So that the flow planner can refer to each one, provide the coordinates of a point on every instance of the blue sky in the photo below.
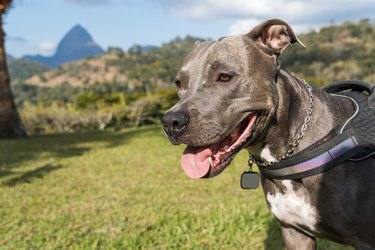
(36, 26)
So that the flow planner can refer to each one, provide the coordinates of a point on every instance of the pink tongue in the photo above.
(195, 161)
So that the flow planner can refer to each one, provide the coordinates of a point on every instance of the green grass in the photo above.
(124, 190)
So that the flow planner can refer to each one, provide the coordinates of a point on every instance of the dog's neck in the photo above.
(293, 105)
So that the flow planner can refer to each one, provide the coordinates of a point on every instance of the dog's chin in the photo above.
(210, 160)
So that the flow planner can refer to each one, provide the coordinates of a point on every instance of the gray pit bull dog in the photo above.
(233, 96)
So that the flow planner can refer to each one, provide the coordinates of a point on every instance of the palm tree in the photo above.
(10, 123)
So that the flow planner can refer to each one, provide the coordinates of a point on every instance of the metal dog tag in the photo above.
(249, 180)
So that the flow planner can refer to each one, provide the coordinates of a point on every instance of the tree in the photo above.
(10, 122)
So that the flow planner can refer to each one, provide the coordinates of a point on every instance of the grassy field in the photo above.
(124, 190)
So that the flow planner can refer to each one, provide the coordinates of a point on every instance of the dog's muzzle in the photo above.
(174, 123)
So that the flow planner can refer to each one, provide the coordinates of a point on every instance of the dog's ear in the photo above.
(275, 35)
(197, 43)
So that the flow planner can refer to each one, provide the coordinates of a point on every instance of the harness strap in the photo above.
(354, 141)
(316, 160)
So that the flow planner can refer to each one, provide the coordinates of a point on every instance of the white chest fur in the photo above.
(293, 209)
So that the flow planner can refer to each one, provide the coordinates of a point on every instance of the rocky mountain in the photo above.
(75, 45)
(137, 69)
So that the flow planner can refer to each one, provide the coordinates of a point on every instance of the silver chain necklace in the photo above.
(298, 137)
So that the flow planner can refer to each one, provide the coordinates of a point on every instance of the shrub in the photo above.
(91, 100)
(97, 112)
(63, 119)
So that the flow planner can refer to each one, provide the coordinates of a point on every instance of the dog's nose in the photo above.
(175, 122)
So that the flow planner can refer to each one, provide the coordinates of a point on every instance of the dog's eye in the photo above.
(223, 77)
(178, 83)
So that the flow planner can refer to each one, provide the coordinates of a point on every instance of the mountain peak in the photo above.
(78, 27)
(78, 35)
(75, 45)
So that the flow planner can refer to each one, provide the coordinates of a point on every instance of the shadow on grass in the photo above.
(274, 239)
(14, 152)
(29, 176)
(5, 173)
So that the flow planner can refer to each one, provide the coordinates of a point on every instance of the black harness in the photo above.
(353, 141)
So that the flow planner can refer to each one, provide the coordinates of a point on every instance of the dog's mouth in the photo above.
(208, 161)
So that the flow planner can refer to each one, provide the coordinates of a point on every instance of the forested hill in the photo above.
(336, 52)
(137, 70)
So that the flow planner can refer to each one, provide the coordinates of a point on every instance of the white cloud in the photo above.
(243, 26)
(47, 48)
(16, 39)
(291, 9)
(302, 15)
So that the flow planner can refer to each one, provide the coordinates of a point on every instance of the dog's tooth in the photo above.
(211, 163)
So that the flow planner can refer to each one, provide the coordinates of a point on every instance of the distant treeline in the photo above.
(146, 71)
(336, 52)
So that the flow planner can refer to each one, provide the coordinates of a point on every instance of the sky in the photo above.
(37, 26)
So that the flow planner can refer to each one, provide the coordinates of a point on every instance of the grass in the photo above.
(124, 190)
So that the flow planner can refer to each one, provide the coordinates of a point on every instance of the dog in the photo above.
(233, 95)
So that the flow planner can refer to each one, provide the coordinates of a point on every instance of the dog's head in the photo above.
(226, 90)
